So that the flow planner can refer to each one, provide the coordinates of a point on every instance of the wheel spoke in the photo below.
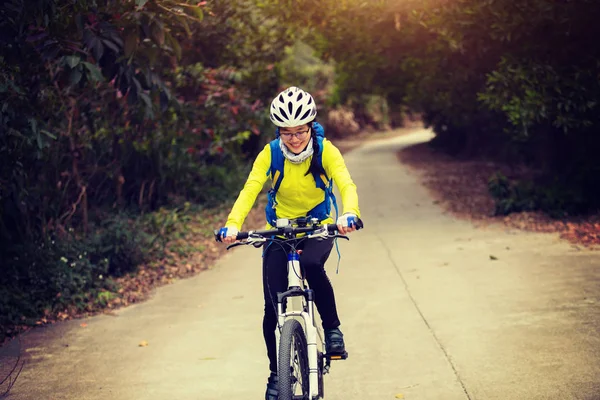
(296, 371)
(297, 375)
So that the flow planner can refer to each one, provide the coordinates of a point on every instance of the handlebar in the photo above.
(289, 231)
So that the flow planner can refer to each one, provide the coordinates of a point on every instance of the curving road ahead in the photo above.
(427, 315)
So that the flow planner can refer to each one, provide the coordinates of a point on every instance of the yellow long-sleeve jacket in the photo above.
(297, 193)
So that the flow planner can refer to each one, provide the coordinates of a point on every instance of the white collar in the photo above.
(297, 158)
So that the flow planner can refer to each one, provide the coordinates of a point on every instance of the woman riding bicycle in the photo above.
(293, 111)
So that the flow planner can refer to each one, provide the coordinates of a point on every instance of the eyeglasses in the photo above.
(298, 135)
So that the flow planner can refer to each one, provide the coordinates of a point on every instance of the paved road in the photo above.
(426, 313)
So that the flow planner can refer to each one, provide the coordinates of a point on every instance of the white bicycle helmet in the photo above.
(293, 107)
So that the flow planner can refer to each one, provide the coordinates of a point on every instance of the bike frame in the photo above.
(313, 337)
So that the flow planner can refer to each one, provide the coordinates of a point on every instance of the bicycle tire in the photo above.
(293, 360)
(320, 376)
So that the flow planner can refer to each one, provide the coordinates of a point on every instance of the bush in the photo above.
(510, 197)
(341, 123)
(120, 244)
(41, 278)
(555, 198)
(63, 272)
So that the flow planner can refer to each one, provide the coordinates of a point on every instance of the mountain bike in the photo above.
(302, 362)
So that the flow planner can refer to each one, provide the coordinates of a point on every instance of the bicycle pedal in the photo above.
(335, 356)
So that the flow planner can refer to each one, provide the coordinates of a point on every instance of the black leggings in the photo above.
(312, 260)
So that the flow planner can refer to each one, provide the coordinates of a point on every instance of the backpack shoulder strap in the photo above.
(322, 180)
(319, 130)
(276, 170)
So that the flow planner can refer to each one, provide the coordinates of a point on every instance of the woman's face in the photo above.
(295, 138)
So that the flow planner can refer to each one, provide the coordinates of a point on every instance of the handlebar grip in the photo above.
(332, 229)
(359, 224)
(217, 236)
(240, 235)
(357, 221)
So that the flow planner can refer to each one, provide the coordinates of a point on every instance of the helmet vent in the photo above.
(306, 114)
(282, 111)
(276, 117)
(298, 111)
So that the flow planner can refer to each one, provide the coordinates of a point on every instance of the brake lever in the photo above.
(236, 244)
(339, 236)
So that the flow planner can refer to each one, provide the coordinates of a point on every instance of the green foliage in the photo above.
(240, 34)
(110, 109)
(491, 77)
(71, 274)
(119, 242)
(302, 68)
(43, 277)
(555, 198)
(530, 95)
(83, 131)
(165, 224)
(510, 197)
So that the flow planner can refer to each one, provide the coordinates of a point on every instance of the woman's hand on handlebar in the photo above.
(228, 234)
(347, 223)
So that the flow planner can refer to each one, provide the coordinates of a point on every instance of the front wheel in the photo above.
(293, 363)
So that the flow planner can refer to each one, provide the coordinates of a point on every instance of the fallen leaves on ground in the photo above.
(460, 187)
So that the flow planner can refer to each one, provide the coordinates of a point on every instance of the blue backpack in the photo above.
(322, 210)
